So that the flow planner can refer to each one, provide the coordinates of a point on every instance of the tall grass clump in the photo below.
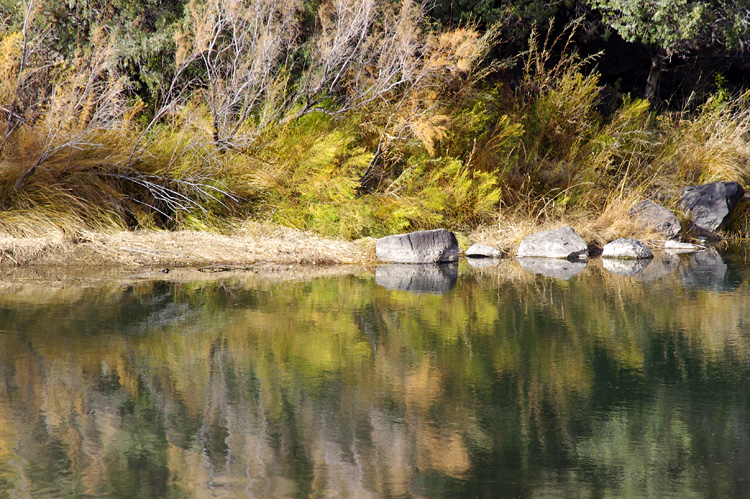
(713, 144)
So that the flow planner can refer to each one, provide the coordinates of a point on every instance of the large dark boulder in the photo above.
(424, 246)
(656, 217)
(558, 243)
(710, 205)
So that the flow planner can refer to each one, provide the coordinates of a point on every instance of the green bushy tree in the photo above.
(670, 27)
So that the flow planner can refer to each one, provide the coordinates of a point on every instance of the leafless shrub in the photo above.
(87, 99)
(245, 48)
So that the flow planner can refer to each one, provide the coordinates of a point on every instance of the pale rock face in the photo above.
(424, 246)
(629, 249)
(558, 243)
(483, 251)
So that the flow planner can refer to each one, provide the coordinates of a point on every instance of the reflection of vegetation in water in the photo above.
(512, 383)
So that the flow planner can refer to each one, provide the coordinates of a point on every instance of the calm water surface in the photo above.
(516, 380)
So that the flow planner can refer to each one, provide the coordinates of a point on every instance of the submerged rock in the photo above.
(657, 217)
(553, 267)
(424, 246)
(483, 251)
(558, 243)
(625, 268)
(626, 249)
(711, 205)
(420, 278)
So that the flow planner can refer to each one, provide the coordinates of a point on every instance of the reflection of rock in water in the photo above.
(480, 263)
(418, 278)
(552, 267)
(662, 265)
(707, 270)
(625, 268)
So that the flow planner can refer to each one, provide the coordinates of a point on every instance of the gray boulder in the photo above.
(550, 267)
(424, 246)
(710, 205)
(483, 251)
(628, 249)
(657, 217)
(422, 278)
(558, 243)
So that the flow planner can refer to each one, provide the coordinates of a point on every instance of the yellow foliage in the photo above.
(10, 52)
(431, 130)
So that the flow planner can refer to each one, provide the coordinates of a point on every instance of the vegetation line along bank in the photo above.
(362, 118)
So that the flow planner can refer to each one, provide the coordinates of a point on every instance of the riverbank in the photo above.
(252, 243)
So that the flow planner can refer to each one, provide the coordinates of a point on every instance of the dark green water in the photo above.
(508, 384)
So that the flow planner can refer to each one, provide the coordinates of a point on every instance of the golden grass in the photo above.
(614, 222)
(250, 244)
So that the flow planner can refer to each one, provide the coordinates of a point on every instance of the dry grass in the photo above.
(252, 243)
(614, 222)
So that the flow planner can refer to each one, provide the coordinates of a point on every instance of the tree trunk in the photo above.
(654, 73)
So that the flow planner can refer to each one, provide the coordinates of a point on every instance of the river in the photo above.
(520, 379)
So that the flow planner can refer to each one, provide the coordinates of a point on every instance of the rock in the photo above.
(625, 268)
(483, 251)
(550, 267)
(558, 243)
(657, 217)
(680, 247)
(629, 249)
(424, 246)
(420, 278)
(710, 205)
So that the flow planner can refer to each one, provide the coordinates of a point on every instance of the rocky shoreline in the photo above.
(261, 244)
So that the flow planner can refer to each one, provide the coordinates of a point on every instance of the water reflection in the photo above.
(662, 265)
(625, 268)
(418, 278)
(508, 385)
(707, 270)
(481, 263)
(553, 267)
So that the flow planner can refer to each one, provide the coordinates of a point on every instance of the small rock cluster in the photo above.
(561, 252)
